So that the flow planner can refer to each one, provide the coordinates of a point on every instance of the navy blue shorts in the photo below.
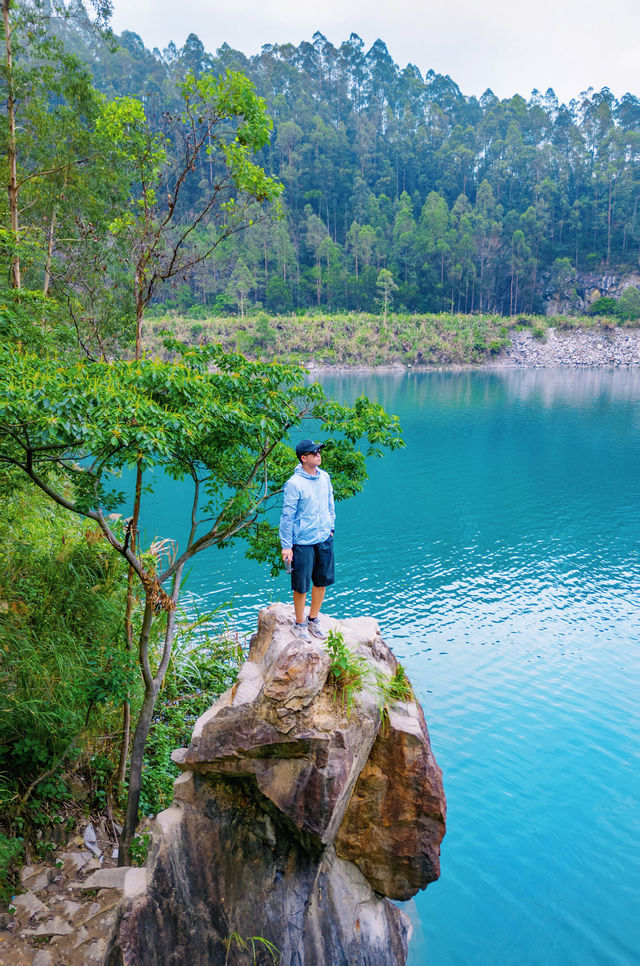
(312, 564)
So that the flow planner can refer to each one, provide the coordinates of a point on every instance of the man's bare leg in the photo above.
(299, 600)
(317, 596)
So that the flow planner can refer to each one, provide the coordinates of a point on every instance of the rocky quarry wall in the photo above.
(584, 290)
(296, 818)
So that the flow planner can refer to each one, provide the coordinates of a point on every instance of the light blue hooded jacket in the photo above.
(308, 512)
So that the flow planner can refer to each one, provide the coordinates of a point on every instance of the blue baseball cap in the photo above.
(307, 446)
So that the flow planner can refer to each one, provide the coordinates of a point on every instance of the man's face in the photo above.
(311, 461)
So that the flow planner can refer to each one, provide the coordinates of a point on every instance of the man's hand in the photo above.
(287, 555)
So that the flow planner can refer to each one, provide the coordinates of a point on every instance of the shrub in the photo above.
(265, 336)
(604, 306)
(198, 312)
(64, 671)
(11, 850)
(399, 687)
(202, 667)
(139, 848)
(347, 670)
(629, 304)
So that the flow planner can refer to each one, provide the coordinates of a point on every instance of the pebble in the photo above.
(36, 881)
(106, 879)
(53, 927)
(30, 905)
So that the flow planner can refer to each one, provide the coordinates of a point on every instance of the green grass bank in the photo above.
(361, 339)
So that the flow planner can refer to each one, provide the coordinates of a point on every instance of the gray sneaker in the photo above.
(301, 632)
(316, 630)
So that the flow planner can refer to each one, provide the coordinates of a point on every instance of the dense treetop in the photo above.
(472, 204)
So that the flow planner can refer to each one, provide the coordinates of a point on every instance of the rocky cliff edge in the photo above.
(299, 813)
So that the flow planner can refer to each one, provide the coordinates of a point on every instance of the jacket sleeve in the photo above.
(289, 507)
(332, 508)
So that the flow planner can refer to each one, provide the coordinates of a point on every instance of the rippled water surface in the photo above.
(499, 553)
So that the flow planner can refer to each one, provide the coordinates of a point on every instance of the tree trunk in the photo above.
(128, 626)
(12, 151)
(266, 265)
(124, 746)
(135, 775)
(152, 685)
(138, 299)
(511, 290)
(534, 280)
(609, 223)
(47, 267)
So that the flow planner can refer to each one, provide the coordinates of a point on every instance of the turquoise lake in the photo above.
(499, 553)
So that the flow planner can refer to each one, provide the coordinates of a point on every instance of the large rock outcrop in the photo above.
(296, 818)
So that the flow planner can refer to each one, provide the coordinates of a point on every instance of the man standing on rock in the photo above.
(306, 535)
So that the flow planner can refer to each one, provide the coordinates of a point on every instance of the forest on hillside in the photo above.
(472, 204)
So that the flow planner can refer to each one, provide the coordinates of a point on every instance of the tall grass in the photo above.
(63, 668)
(64, 672)
(360, 339)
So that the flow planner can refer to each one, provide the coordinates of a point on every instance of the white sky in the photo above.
(511, 46)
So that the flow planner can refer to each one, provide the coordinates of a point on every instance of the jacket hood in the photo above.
(307, 476)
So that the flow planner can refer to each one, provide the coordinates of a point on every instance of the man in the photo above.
(306, 535)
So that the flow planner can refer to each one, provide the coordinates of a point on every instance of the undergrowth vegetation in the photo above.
(350, 673)
(63, 670)
(356, 338)
(64, 674)
(201, 668)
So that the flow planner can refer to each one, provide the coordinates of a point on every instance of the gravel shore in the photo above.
(617, 348)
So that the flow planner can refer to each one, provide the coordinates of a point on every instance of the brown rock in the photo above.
(106, 879)
(183, 787)
(303, 751)
(296, 678)
(293, 815)
(222, 866)
(396, 817)
(36, 878)
(75, 861)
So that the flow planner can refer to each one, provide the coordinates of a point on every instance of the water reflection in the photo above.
(546, 387)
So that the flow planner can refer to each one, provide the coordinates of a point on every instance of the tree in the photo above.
(386, 287)
(564, 278)
(221, 117)
(352, 132)
(316, 235)
(520, 253)
(73, 428)
(242, 281)
(628, 306)
(63, 188)
(404, 230)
